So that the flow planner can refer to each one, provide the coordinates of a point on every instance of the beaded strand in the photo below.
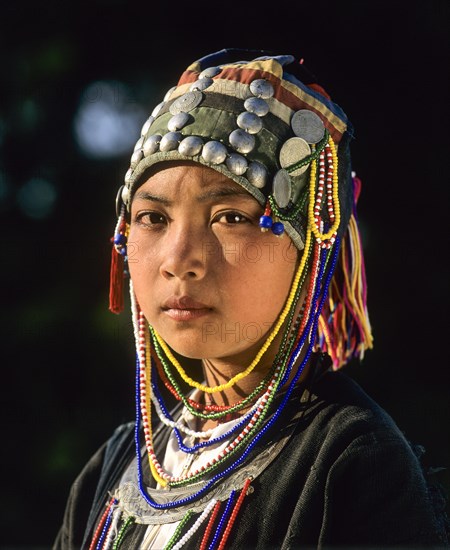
(122, 532)
(178, 530)
(252, 443)
(166, 419)
(236, 463)
(157, 470)
(222, 521)
(194, 476)
(209, 527)
(254, 363)
(116, 517)
(231, 449)
(189, 534)
(300, 277)
(101, 524)
(215, 411)
(218, 411)
(325, 239)
(234, 513)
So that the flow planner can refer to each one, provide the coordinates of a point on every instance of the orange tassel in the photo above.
(116, 281)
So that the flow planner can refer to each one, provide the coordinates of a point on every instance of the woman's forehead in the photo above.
(177, 176)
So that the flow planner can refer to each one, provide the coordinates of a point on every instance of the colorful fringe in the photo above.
(344, 330)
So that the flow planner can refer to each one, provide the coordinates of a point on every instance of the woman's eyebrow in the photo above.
(146, 196)
(222, 192)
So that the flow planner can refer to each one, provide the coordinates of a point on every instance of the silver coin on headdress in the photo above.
(256, 105)
(242, 141)
(257, 174)
(249, 122)
(170, 141)
(294, 150)
(308, 126)
(146, 126)
(237, 164)
(186, 102)
(190, 146)
(261, 88)
(157, 109)
(151, 144)
(210, 72)
(214, 152)
(178, 121)
(201, 84)
(282, 188)
(169, 93)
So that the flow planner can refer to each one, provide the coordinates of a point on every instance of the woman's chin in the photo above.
(192, 348)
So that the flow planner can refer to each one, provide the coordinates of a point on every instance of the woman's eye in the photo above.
(151, 218)
(232, 218)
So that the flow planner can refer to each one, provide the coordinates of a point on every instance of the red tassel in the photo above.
(116, 281)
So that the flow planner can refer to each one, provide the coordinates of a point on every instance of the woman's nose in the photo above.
(183, 255)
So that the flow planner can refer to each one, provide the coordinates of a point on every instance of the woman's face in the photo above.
(205, 276)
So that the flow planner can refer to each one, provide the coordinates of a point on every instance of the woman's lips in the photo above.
(186, 314)
(184, 308)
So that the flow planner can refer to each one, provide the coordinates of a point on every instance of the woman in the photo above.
(237, 226)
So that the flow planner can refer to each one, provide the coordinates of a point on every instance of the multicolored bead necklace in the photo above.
(256, 421)
(214, 411)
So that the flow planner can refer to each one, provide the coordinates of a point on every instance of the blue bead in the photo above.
(119, 238)
(123, 251)
(278, 228)
(265, 222)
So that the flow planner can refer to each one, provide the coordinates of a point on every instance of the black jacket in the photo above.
(345, 477)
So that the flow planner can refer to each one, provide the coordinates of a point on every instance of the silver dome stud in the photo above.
(257, 174)
(169, 93)
(237, 164)
(256, 105)
(125, 194)
(262, 88)
(136, 157)
(201, 84)
(210, 72)
(139, 143)
(214, 152)
(128, 175)
(170, 141)
(249, 122)
(146, 126)
(190, 146)
(242, 141)
(157, 109)
(151, 144)
(178, 121)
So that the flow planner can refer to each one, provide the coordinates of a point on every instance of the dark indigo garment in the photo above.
(347, 478)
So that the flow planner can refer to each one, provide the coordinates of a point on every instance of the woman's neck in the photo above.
(219, 371)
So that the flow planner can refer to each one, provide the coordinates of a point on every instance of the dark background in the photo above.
(68, 364)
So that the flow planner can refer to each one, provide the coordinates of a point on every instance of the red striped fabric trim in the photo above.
(284, 96)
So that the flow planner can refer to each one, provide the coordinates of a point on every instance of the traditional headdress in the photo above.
(267, 125)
